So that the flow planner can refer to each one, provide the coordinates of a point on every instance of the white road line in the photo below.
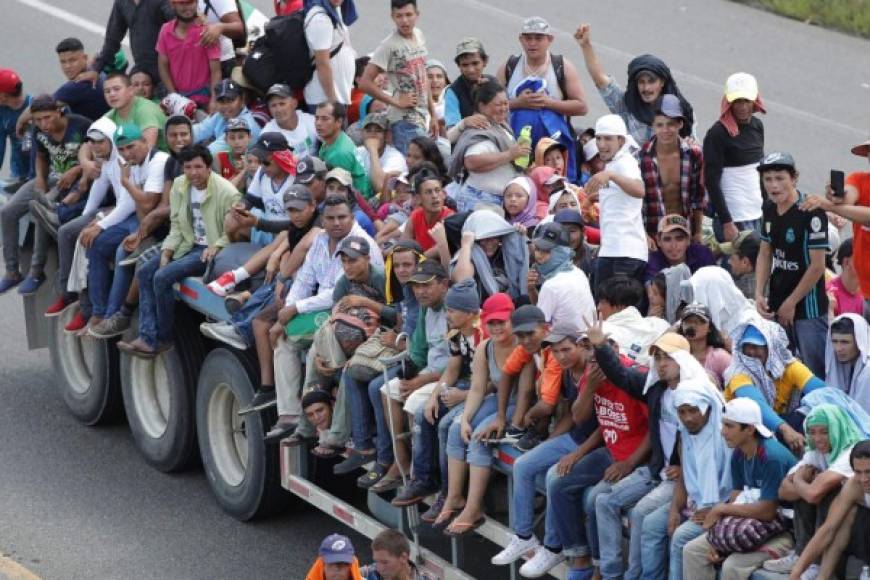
(691, 78)
(69, 17)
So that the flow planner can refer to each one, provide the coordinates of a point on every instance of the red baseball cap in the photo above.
(10, 82)
(497, 307)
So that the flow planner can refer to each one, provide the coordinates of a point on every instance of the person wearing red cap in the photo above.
(13, 101)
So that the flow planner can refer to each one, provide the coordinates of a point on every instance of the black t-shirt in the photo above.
(172, 169)
(63, 155)
(83, 98)
(791, 236)
(461, 345)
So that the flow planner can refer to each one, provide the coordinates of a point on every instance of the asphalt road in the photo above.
(78, 502)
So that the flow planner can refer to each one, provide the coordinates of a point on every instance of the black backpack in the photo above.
(285, 36)
(260, 68)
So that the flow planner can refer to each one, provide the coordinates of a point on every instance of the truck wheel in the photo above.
(243, 473)
(87, 373)
(159, 397)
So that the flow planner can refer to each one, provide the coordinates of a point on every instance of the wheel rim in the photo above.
(150, 390)
(227, 435)
(77, 356)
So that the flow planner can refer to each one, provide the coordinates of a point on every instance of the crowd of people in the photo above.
(664, 324)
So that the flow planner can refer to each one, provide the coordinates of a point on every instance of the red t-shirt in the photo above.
(422, 227)
(624, 420)
(228, 170)
(861, 234)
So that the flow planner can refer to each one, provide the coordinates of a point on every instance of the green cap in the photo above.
(126, 133)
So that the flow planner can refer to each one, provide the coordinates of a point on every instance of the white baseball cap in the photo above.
(747, 412)
(610, 125)
(741, 86)
(590, 149)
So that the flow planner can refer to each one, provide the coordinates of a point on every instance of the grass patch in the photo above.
(850, 16)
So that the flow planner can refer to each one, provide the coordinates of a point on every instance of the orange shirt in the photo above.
(861, 233)
(550, 378)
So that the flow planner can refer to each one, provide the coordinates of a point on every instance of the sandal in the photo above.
(456, 529)
(327, 451)
(387, 483)
(446, 517)
(373, 476)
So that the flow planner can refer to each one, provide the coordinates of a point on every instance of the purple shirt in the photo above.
(697, 256)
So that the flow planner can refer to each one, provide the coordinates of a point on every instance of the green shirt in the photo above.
(145, 114)
(342, 154)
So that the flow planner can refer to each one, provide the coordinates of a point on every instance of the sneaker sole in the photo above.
(129, 261)
(260, 407)
(209, 333)
(107, 335)
(62, 310)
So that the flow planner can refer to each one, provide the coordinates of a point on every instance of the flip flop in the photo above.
(387, 483)
(326, 451)
(373, 476)
(446, 517)
(464, 528)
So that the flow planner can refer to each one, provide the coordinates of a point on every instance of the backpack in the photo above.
(260, 68)
(558, 62)
(237, 42)
(285, 35)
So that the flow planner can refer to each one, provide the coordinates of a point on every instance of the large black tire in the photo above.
(160, 398)
(244, 474)
(87, 373)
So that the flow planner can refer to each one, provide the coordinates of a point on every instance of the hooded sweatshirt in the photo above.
(853, 378)
(110, 172)
(514, 254)
(843, 434)
(714, 287)
(705, 458)
(634, 333)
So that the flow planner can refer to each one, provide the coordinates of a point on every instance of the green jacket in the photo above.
(220, 195)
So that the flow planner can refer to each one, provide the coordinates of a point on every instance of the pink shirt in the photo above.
(715, 363)
(846, 301)
(188, 61)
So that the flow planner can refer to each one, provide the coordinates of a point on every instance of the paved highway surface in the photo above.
(77, 502)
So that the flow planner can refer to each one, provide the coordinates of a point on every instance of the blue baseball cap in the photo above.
(753, 336)
(336, 549)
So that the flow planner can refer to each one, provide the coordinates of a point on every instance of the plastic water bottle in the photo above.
(865, 573)
(27, 141)
(524, 140)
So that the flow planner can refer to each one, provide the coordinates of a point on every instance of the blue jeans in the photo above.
(469, 196)
(480, 453)
(566, 505)
(384, 443)
(244, 318)
(810, 336)
(647, 555)
(655, 541)
(456, 447)
(403, 132)
(103, 286)
(425, 437)
(156, 297)
(529, 468)
(608, 512)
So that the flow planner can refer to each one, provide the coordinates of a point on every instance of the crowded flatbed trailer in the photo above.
(184, 403)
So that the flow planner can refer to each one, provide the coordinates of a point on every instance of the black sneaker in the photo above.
(528, 441)
(414, 492)
(263, 399)
(513, 434)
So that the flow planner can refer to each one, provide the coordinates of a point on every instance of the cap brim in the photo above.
(526, 327)
(728, 248)
(861, 150)
(752, 341)
(542, 244)
(763, 431)
(338, 559)
(421, 278)
(731, 97)
(296, 204)
(698, 314)
(673, 228)
(503, 315)
(95, 136)
(304, 179)
(353, 254)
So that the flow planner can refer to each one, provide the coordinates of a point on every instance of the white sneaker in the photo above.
(811, 573)
(514, 550)
(223, 332)
(782, 565)
(542, 562)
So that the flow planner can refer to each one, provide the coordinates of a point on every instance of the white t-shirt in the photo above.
(391, 160)
(263, 187)
(668, 427)
(566, 298)
(218, 9)
(622, 231)
(820, 462)
(197, 196)
(302, 139)
(495, 180)
(148, 177)
(322, 35)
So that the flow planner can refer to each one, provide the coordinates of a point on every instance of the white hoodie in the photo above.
(110, 173)
(714, 287)
(634, 333)
(837, 373)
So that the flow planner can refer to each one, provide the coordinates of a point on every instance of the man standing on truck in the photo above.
(199, 201)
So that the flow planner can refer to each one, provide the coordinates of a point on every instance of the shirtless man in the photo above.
(663, 162)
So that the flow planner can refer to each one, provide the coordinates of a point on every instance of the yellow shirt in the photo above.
(795, 377)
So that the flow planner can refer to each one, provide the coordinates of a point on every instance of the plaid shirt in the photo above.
(692, 191)
(312, 288)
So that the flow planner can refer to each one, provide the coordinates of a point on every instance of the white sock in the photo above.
(240, 274)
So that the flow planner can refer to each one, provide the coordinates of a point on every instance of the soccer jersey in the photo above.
(791, 236)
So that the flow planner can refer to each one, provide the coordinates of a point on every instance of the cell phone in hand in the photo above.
(838, 183)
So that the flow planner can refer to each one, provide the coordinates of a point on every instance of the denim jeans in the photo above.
(383, 441)
(608, 512)
(456, 447)
(810, 336)
(530, 468)
(107, 292)
(425, 437)
(655, 538)
(469, 196)
(243, 320)
(644, 550)
(156, 297)
(403, 132)
(480, 453)
(566, 505)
